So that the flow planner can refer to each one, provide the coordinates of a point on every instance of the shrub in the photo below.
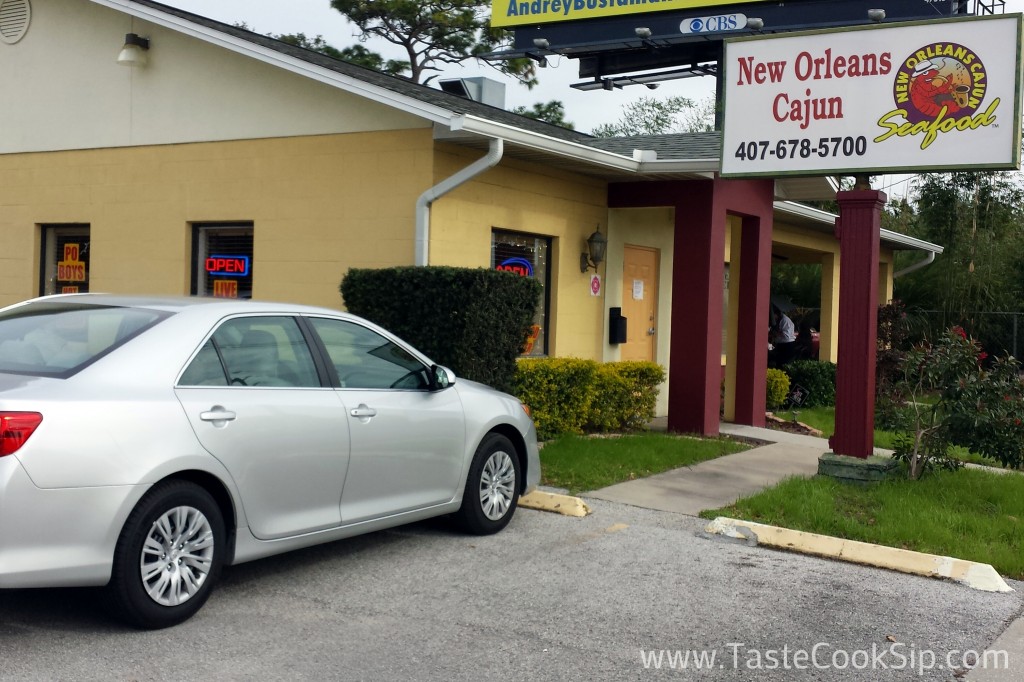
(625, 396)
(777, 388)
(559, 392)
(977, 408)
(818, 378)
(892, 346)
(473, 320)
(569, 395)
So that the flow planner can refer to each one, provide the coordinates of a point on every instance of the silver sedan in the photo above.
(146, 443)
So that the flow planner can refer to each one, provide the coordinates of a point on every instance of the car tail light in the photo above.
(15, 429)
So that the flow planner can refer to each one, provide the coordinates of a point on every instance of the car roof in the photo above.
(175, 304)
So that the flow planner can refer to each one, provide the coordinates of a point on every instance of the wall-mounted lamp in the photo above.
(596, 245)
(642, 32)
(134, 51)
(876, 15)
(755, 23)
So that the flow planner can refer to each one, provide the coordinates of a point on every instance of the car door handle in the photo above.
(363, 411)
(217, 415)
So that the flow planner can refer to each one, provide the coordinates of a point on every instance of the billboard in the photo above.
(506, 13)
(937, 95)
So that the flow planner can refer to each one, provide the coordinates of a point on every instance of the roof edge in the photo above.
(281, 60)
(826, 218)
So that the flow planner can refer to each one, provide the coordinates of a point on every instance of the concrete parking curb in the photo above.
(970, 573)
(567, 505)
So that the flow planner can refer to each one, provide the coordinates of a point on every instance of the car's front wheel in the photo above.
(168, 556)
(492, 488)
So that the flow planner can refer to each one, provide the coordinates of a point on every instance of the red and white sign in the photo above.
(595, 285)
(71, 269)
(937, 95)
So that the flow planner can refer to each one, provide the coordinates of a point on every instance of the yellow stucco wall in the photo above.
(529, 198)
(319, 205)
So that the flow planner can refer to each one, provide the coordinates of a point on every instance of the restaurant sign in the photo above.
(919, 96)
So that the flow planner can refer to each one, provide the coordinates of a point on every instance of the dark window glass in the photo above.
(255, 351)
(223, 264)
(58, 339)
(65, 251)
(365, 359)
(205, 369)
(527, 255)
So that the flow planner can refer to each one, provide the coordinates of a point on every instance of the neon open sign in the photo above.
(520, 266)
(228, 266)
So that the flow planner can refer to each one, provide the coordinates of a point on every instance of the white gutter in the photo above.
(490, 160)
(928, 260)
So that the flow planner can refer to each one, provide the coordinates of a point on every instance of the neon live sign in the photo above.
(520, 266)
(228, 266)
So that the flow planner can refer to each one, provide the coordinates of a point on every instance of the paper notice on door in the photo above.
(638, 290)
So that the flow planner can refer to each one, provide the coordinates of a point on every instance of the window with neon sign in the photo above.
(65, 252)
(527, 255)
(222, 264)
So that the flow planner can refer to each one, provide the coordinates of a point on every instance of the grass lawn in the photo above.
(970, 514)
(579, 464)
(824, 419)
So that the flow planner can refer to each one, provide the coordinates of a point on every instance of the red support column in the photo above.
(752, 330)
(858, 229)
(696, 347)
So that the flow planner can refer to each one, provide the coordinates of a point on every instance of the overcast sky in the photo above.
(585, 109)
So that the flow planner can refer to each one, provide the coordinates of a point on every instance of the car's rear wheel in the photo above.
(492, 487)
(168, 556)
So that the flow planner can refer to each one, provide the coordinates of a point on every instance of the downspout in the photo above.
(490, 160)
(916, 266)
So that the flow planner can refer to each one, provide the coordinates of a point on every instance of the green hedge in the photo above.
(473, 320)
(569, 395)
(819, 378)
(777, 388)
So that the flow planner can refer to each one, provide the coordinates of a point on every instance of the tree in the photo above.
(652, 116)
(434, 32)
(550, 112)
(356, 54)
(977, 218)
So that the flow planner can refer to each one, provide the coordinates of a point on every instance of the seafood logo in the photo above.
(940, 76)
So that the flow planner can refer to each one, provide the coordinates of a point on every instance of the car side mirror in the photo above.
(441, 378)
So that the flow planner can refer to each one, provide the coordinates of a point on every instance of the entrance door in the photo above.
(640, 302)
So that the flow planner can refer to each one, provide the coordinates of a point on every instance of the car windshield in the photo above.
(59, 339)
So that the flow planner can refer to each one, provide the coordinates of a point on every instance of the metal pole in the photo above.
(1015, 316)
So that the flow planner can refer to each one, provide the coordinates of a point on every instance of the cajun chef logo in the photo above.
(940, 88)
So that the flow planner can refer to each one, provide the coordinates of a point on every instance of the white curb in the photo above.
(567, 505)
(970, 573)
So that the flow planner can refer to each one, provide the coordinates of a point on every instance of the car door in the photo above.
(256, 402)
(407, 441)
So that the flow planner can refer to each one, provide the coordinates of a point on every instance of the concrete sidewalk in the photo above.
(719, 482)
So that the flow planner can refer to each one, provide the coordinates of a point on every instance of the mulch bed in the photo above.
(790, 426)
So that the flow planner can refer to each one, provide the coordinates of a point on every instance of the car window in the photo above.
(58, 339)
(365, 359)
(205, 369)
(254, 351)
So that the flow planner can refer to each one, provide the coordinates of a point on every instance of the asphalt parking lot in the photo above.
(551, 598)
